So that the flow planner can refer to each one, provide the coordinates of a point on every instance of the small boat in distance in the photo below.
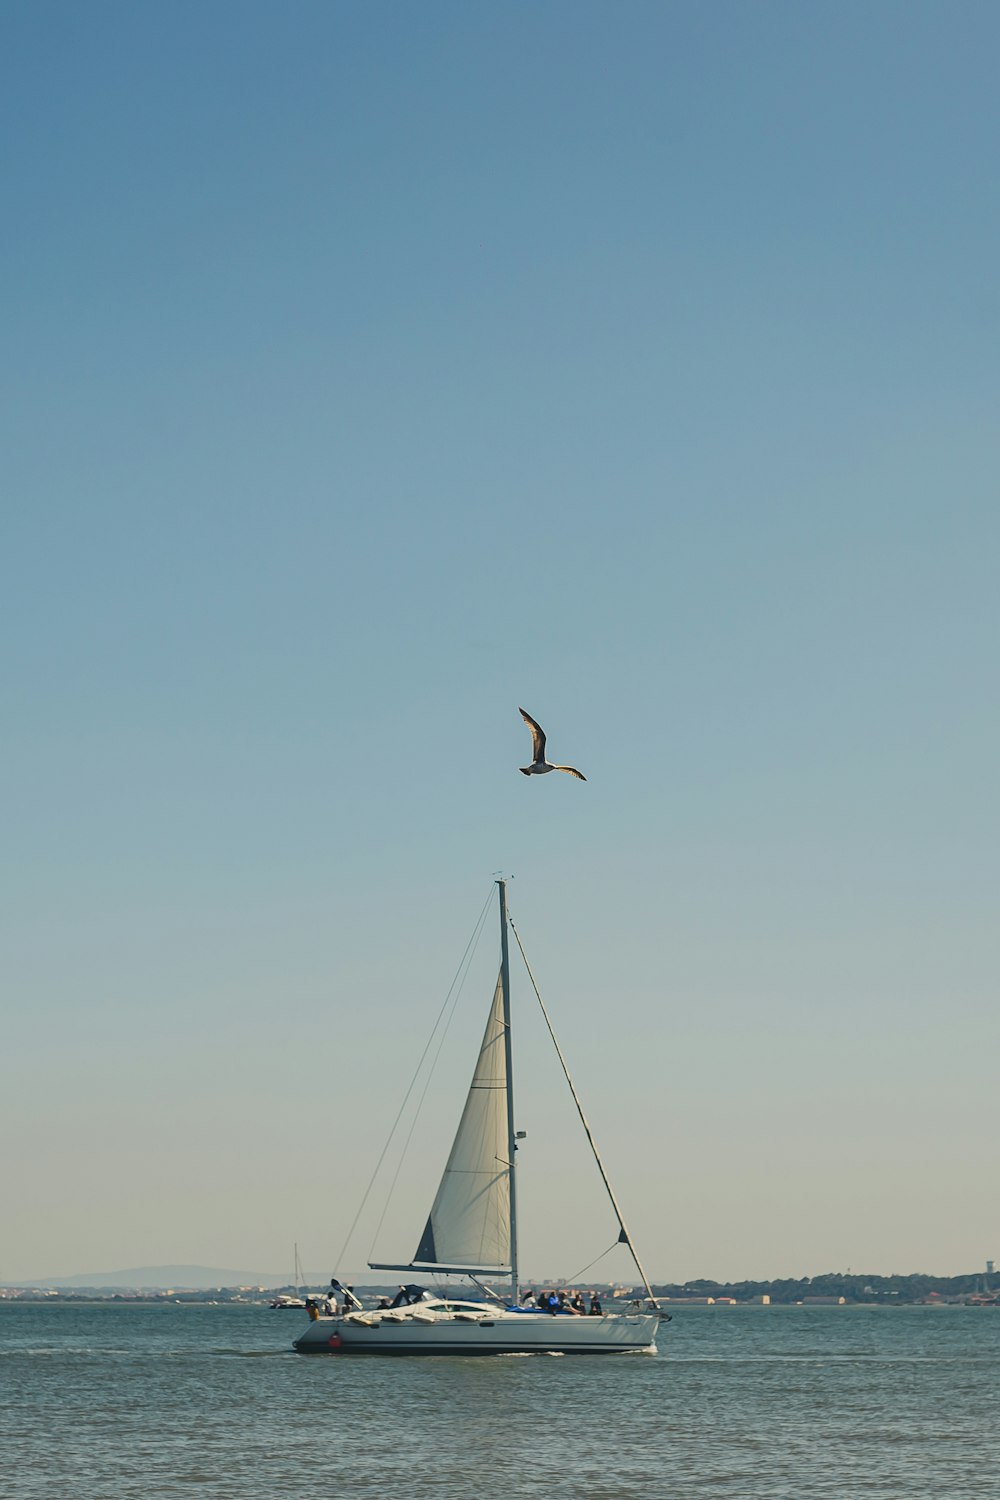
(471, 1232)
(284, 1300)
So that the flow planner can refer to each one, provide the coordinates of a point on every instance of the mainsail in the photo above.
(469, 1222)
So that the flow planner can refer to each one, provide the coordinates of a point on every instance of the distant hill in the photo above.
(180, 1278)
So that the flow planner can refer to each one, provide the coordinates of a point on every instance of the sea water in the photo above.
(115, 1401)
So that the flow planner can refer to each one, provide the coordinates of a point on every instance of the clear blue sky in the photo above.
(370, 369)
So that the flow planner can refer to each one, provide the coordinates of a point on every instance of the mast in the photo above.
(508, 1061)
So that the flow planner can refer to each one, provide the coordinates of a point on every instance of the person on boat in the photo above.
(528, 1298)
(577, 1303)
(349, 1298)
(596, 1310)
(312, 1308)
(384, 1304)
(407, 1295)
(329, 1306)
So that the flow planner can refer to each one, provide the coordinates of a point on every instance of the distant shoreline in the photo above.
(980, 1289)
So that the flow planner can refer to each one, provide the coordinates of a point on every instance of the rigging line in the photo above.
(464, 963)
(487, 1289)
(577, 1274)
(472, 941)
(474, 944)
(625, 1237)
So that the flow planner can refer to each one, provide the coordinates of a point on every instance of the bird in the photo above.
(539, 765)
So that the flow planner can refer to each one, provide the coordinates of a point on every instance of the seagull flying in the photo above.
(539, 765)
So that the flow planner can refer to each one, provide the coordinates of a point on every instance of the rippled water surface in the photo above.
(119, 1401)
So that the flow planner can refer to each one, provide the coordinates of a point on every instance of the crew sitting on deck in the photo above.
(596, 1310)
(350, 1301)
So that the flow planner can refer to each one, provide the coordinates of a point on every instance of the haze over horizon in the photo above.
(371, 371)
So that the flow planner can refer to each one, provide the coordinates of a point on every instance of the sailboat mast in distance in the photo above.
(511, 1138)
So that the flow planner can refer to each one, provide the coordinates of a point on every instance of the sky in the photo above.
(370, 370)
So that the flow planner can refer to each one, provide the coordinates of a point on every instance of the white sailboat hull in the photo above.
(498, 1333)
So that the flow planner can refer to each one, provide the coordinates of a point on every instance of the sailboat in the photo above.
(471, 1231)
(284, 1300)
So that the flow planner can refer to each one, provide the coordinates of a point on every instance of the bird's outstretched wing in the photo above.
(571, 771)
(537, 737)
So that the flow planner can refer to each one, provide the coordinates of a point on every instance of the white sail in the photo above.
(469, 1223)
